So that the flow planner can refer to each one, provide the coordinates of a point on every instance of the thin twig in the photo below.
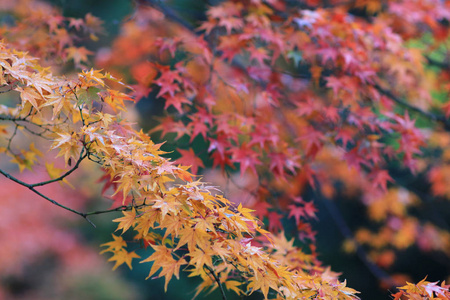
(11, 138)
(120, 208)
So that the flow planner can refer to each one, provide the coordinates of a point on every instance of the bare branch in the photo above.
(31, 187)
(80, 159)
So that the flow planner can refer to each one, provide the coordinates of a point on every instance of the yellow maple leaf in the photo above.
(128, 220)
(78, 54)
(30, 95)
(122, 256)
(115, 245)
(193, 237)
(55, 172)
(234, 286)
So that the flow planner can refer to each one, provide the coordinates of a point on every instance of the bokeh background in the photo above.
(47, 253)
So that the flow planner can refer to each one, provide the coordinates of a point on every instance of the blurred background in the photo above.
(47, 253)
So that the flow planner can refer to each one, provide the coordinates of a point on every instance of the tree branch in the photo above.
(217, 279)
(120, 208)
(426, 114)
(347, 233)
(80, 159)
(31, 187)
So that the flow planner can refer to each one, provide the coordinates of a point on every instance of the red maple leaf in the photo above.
(258, 54)
(380, 179)
(247, 158)
(176, 101)
(296, 212)
(168, 81)
(198, 126)
(310, 209)
(189, 158)
(274, 221)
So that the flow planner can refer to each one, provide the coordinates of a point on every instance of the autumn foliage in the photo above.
(294, 102)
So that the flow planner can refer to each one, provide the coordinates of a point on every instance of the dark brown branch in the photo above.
(426, 114)
(120, 208)
(31, 187)
(80, 159)
(11, 138)
(24, 119)
(347, 233)
(217, 279)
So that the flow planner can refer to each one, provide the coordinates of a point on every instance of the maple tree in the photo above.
(295, 103)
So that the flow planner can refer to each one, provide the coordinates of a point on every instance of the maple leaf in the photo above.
(76, 23)
(121, 257)
(168, 44)
(68, 144)
(31, 96)
(162, 259)
(257, 91)
(258, 54)
(167, 82)
(176, 101)
(189, 158)
(201, 259)
(234, 286)
(78, 54)
(147, 220)
(380, 179)
(115, 245)
(296, 212)
(274, 221)
(183, 174)
(198, 127)
(128, 220)
(247, 158)
(310, 209)
(335, 84)
(118, 200)
(193, 237)
(263, 282)
(397, 296)
(54, 173)
(280, 161)
(346, 135)
(433, 289)
(170, 125)
(171, 268)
